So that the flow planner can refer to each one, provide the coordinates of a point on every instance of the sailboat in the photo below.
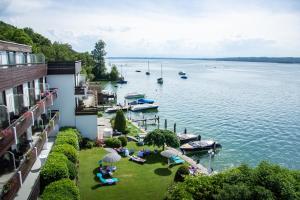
(160, 80)
(148, 72)
(121, 79)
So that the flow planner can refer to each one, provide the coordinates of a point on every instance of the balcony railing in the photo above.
(12, 186)
(16, 74)
(80, 90)
(9, 135)
(86, 111)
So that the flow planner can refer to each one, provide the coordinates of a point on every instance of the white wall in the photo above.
(65, 101)
(25, 94)
(10, 100)
(87, 125)
(37, 88)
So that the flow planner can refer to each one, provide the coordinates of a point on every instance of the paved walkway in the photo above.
(102, 123)
(189, 160)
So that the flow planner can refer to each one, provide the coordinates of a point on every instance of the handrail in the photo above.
(20, 64)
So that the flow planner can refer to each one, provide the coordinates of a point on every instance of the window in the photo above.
(11, 58)
(18, 99)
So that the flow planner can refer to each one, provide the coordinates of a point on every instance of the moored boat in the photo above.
(185, 138)
(116, 108)
(202, 145)
(141, 101)
(181, 73)
(134, 95)
(146, 106)
(184, 77)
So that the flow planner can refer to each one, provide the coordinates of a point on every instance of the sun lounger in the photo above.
(137, 159)
(108, 181)
(176, 160)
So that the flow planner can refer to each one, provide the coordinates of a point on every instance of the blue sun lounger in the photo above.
(109, 181)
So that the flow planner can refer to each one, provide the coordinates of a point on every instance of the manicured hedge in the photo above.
(113, 143)
(64, 189)
(54, 169)
(69, 136)
(68, 150)
(72, 170)
(123, 140)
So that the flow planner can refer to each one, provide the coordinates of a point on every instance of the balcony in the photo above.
(9, 135)
(9, 189)
(86, 111)
(13, 75)
(80, 90)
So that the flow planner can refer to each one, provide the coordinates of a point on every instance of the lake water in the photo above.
(252, 109)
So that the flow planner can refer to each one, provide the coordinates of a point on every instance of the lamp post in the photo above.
(211, 153)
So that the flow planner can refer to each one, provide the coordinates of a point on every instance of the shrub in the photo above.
(87, 143)
(71, 131)
(123, 140)
(72, 170)
(120, 122)
(68, 150)
(99, 114)
(64, 189)
(113, 143)
(181, 173)
(64, 139)
(54, 169)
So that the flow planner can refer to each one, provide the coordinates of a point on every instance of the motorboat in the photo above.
(134, 95)
(184, 77)
(202, 145)
(142, 101)
(137, 70)
(185, 138)
(116, 108)
(181, 73)
(146, 106)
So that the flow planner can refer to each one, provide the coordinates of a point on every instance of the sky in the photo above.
(165, 28)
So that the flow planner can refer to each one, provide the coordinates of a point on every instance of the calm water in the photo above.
(252, 109)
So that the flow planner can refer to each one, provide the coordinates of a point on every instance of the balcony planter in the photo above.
(6, 188)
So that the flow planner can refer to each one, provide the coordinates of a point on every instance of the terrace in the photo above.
(148, 181)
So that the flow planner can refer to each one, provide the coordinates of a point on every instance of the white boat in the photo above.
(116, 108)
(146, 106)
(181, 73)
(134, 95)
(202, 145)
(185, 138)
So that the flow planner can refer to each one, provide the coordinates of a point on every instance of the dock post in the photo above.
(158, 122)
(166, 124)
(174, 127)
(146, 125)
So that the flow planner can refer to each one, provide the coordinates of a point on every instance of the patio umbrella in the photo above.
(111, 157)
(168, 153)
(110, 150)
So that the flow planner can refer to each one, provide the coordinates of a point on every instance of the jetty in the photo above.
(200, 168)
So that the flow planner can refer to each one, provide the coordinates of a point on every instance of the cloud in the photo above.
(197, 28)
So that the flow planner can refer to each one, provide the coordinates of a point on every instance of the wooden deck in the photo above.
(190, 161)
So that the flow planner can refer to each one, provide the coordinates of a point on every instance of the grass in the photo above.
(148, 181)
(133, 130)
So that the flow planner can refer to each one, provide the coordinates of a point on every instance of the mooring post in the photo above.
(166, 124)
(158, 122)
(174, 127)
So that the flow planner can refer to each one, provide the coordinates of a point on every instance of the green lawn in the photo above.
(133, 130)
(148, 181)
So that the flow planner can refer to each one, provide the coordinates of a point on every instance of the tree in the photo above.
(114, 73)
(120, 122)
(266, 181)
(98, 56)
(181, 172)
(160, 138)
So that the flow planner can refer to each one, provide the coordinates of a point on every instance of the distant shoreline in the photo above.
(284, 60)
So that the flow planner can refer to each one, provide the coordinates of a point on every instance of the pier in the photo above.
(201, 169)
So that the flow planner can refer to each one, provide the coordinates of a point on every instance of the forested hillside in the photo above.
(53, 51)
